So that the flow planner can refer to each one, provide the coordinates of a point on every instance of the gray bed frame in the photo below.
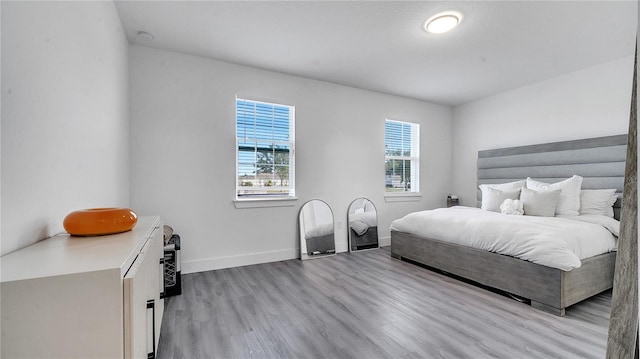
(600, 161)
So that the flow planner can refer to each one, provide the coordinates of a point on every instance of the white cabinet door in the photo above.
(158, 280)
(140, 304)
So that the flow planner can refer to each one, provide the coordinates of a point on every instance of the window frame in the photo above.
(266, 199)
(413, 193)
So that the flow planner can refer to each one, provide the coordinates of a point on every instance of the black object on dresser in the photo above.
(172, 271)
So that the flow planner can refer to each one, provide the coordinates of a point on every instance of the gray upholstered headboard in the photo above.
(600, 161)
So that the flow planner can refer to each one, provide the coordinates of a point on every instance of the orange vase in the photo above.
(100, 221)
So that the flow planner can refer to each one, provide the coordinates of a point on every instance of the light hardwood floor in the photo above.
(366, 305)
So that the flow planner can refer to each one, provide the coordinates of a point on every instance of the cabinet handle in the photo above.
(162, 288)
(151, 304)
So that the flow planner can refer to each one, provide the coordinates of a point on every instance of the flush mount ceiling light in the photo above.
(442, 22)
(145, 35)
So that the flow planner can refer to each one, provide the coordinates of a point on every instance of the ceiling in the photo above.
(381, 46)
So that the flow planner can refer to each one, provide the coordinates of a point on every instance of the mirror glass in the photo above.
(363, 225)
(316, 230)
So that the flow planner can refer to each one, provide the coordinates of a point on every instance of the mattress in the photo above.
(557, 242)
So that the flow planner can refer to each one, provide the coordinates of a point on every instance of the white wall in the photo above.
(65, 129)
(589, 103)
(183, 154)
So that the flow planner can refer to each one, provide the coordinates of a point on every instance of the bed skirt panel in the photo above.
(548, 288)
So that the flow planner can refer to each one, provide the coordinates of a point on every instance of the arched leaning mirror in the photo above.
(316, 230)
(363, 225)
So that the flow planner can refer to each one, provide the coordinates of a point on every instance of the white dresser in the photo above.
(84, 297)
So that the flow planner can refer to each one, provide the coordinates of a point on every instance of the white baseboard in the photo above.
(203, 265)
(384, 241)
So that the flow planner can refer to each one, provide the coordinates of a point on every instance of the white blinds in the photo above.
(265, 149)
(402, 156)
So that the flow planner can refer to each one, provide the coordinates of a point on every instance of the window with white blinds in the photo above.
(402, 156)
(265, 149)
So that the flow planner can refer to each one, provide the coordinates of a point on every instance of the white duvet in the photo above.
(319, 230)
(558, 242)
(360, 222)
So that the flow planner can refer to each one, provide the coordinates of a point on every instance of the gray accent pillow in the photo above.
(540, 203)
(598, 201)
(492, 198)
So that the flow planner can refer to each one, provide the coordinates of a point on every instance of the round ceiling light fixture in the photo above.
(443, 22)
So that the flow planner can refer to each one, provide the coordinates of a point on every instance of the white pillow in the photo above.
(510, 186)
(492, 198)
(540, 203)
(598, 201)
(504, 186)
(569, 204)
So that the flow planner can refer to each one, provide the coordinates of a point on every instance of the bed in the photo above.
(363, 225)
(366, 240)
(320, 239)
(599, 161)
(316, 230)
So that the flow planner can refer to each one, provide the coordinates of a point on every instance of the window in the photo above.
(402, 156)
(265, 143)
